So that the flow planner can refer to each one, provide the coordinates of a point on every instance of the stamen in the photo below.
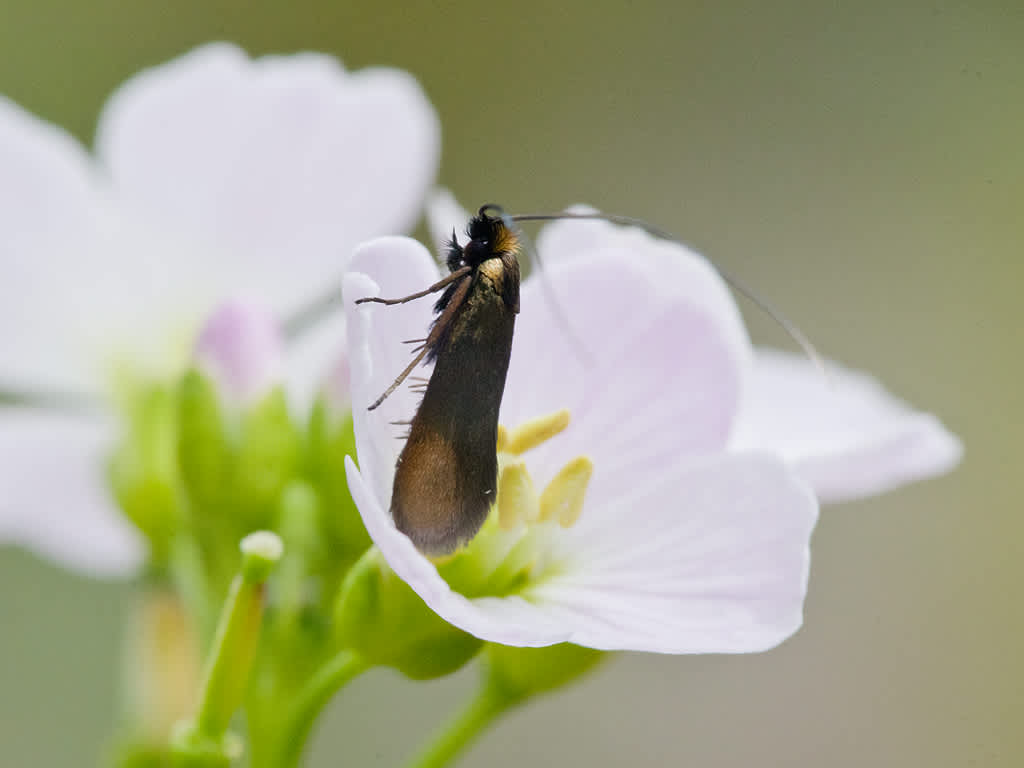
(562, 500)
(534, 432)
(517, 500)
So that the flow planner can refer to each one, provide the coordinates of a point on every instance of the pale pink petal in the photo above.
(274, 168)
(52, 252)
(391, 267)
(646, 372)
(53, 499)
(714, 559)
(841, 431)
(673, 269)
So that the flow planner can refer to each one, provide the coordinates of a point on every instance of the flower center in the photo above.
(516, 546)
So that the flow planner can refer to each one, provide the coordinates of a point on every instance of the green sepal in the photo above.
(143, 468)
(266, 458)
(381, 618)
(519, 673)
(306, 581)
(204, 449)
(299, 525)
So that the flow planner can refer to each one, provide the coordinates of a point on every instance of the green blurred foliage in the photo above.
(861, 164)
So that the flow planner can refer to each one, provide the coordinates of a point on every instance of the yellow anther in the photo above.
(502, 437)
(534, 432)
(517, 500)
(562, 500)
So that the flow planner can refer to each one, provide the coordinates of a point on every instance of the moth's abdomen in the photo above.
(443, 490)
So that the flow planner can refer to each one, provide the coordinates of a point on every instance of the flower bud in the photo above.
(241, 349)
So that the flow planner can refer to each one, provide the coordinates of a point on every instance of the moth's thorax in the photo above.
(503, 274)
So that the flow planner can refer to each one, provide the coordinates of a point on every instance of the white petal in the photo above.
(274, 168)
(711, 557)
(673, 273)
(713, 560)
(844, 433)
(391, 267)
(648, 367)
(52, 496)
(51, 233)
(444, 217)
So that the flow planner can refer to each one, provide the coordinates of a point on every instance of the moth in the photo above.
(446, 476)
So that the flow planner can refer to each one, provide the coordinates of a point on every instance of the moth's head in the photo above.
(489, 237)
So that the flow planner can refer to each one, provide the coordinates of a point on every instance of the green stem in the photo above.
(486, 707)
(311, 699)
(204, 740)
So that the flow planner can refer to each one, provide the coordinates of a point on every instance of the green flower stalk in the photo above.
(204, 740)
(510, 677)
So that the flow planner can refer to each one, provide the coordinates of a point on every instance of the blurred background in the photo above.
(861, 164)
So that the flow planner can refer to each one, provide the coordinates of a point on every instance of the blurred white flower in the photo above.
(648, 534)
(214, 177)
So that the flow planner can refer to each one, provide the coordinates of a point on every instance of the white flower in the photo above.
(679, 546)
(693, 535)
(215, 177)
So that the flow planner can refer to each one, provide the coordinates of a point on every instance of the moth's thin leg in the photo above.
(399, 380)
(442, 283)
(442, 322)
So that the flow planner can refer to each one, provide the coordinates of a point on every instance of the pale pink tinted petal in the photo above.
(241, 348)
(52, 496)
(841, 431)
(274, 168)
(672, 268)
(51, 250)
(646, 372)
(512, 620)
(391, 267)
(446, 218)
(713, 558)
